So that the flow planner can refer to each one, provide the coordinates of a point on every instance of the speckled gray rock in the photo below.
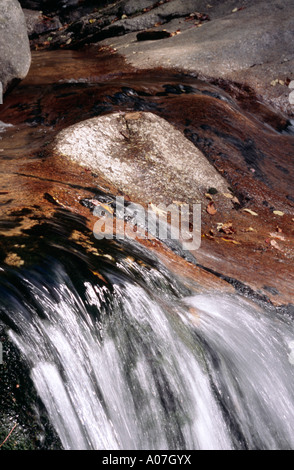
(143, 156)
(15, 55)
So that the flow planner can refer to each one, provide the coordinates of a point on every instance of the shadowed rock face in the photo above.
(15, 56)
(143, 155)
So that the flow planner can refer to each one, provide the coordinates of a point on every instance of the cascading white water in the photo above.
(141, 386)
(149, 374)
(250, 352)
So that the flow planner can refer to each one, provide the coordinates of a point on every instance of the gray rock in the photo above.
(15, 55)
(253, 45)
(33, 18)
(234, 42)
(38, 24)
(142, 155)
(162, 13)
(131, 7)
(104, 24)
(170, 9)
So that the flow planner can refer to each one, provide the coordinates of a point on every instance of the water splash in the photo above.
(126, 381)
(247, 351)
(134, 366)
(4, 126)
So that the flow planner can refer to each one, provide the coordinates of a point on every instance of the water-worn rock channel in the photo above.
(138, 344)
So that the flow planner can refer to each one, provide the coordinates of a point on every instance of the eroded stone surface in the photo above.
(246, 42)
(256, 259)
(15, 56)
(143, 155)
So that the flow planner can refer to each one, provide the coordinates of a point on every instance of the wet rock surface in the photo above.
(15, 56)
(247, 42)
(149, 135)
(251, 46)
(248, 246)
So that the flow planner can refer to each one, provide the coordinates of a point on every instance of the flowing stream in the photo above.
(120, 353)
(137, 362)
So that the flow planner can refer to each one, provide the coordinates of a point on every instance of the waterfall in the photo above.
(137, 362)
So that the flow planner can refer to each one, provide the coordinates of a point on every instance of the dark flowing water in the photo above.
(133, 359)
(104, 347)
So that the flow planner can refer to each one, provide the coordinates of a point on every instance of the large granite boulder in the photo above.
(15, 55)
(143, 156)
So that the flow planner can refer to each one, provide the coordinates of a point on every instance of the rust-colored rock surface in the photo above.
(249, 246)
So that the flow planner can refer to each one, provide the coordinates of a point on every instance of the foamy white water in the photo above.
(146, 374)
